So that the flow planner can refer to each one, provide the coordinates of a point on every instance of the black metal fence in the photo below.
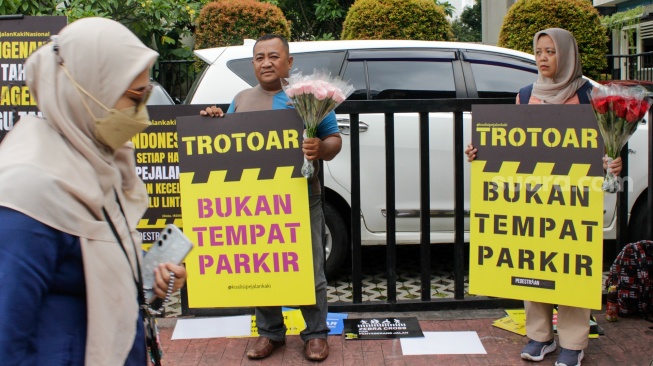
(176, 76)
(629, 67)
(421, 107)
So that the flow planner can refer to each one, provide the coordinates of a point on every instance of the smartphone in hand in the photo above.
(171, 247)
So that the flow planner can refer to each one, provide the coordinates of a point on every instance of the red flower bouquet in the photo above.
(618, 111)
(315, 96)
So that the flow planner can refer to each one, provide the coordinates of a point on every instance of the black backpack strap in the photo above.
(525, 94)
(583, 93)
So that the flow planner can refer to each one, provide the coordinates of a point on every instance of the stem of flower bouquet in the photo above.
(304, 109)
(326, 106)
(614, 137)
(310, 123)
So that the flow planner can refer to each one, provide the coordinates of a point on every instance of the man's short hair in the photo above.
(267, 37)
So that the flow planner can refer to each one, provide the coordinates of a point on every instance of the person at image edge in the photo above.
(558, 82)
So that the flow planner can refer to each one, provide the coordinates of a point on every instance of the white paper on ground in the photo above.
(230, 326)
(443, 343)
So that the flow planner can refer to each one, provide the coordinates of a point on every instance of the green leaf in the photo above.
(167, 40)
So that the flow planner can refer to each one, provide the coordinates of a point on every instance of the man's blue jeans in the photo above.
(269, 319)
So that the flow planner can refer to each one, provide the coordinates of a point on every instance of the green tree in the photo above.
(28, 7)
(447, 7)
(314, 19)
(468, 27)
(527, 17)
(396, 19)
(160, 24)
(228, 22)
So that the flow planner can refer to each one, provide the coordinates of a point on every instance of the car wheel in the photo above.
(337, 240)
(638, 224)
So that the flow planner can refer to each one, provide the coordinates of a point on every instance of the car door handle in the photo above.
(343, 126)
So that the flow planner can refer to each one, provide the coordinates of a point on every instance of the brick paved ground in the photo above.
(628, 342)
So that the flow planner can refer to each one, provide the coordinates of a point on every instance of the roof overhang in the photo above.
(596, 3)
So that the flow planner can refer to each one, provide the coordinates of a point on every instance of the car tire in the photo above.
(638, 224)
(336, 240)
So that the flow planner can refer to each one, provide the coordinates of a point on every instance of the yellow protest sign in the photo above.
(20, 36)
(517, 315)
(507, 323)
(516, 322)
(245, 206)
(536, 204)
(157, 164)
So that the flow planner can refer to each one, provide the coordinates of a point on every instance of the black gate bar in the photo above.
(356, 259)
(390, 218)
(425, 207)
(622, 202)
(459, 208)
(649, 191)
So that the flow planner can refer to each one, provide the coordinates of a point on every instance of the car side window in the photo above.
(308, 62)
(305, 62)
(499, 76)
(397, 73)
(355, 75)
(397, 79)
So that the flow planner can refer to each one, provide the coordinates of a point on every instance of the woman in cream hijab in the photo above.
(69, 293)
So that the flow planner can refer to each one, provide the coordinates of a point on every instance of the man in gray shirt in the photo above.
(272, 61)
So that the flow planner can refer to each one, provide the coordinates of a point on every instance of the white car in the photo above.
(402, 70)
(159, 95)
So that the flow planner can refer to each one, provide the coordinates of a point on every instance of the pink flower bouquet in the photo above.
(618, 111)
(314, 96)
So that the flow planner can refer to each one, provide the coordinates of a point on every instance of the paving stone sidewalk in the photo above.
(627, 342)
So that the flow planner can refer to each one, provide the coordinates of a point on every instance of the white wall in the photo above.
(460, 6)
(493, 12)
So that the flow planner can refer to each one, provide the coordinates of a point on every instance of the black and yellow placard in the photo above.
(245, 206)
(157, 164)
(536, 204)
(18, 39)
(382, 328)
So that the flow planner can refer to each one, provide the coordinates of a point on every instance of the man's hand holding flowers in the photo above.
(314, 96)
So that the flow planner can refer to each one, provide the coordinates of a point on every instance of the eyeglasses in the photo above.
(140, 95)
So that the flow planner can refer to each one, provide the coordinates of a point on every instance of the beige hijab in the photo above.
(54, 170)
(568, 77)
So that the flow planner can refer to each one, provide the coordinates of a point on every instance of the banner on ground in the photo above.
(20, 36)
(536, 224)
(382, 328)
(245, 206)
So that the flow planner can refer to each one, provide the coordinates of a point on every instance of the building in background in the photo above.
(493, 13)
(460, 5)
(642, 31)
(642, 41)
(631, 41)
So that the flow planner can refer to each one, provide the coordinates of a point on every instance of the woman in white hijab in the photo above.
(70, 201)
(559, 81)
